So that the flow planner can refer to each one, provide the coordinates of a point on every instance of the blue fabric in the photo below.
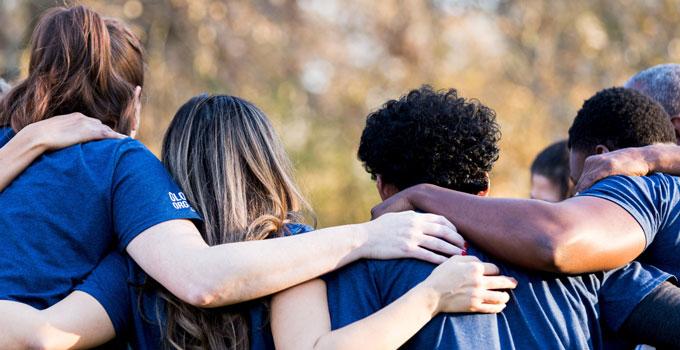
(147, 310)
(654, 201)
(71, 208)
(107, 283)
(546, 311)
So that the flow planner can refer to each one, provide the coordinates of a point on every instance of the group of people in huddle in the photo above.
(106, 246)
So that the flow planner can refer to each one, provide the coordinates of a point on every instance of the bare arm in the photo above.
(639, 161)
(77, 322)
(300, 318)
(175, 255)
(38, 138)
(581, 234)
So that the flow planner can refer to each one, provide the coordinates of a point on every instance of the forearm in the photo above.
(17, 155)
(76, 322)
(663, 158)
(232, 273)
(388, 328)
(516, 230)
(23, 327)
(575, 236)
(259, 268)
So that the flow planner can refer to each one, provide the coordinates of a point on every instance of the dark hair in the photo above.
(553, 163)
(619, 118)
(72, 69)
(233, 169)
(432, 137)
(662, 84)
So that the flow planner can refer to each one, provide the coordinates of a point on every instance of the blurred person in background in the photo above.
(550, 173)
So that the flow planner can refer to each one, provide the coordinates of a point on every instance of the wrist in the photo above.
(430, 296)
(656, 157)
(359, 239)
(31, 138)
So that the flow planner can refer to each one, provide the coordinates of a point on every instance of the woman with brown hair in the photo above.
(126, 200)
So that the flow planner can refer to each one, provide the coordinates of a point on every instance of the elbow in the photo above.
(212, 293)
(198, 296)
(555, 253)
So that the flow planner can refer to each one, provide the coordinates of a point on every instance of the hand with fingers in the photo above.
(408, 234)
(396, 203)
(465, 284)
(66, 130)
(627, 161)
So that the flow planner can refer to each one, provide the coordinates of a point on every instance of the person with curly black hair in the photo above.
(442, 138)
(431, 137)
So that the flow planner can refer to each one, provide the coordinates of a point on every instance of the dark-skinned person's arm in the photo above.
(581, 234)
(636, 161)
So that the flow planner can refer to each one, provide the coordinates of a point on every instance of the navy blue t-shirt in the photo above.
(654, 201)
(141, 312)
(545, 311)
(71, 208)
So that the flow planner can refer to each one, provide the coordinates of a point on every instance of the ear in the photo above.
(385, 190)
(676, 125)
(485, 193)
(138, 112)
(599, 149)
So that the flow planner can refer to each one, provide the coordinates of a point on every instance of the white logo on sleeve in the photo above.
(179, 201)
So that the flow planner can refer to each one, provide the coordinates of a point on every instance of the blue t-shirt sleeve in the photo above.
(624, 288)
(143, 194)
(108, 285)
(640, 196)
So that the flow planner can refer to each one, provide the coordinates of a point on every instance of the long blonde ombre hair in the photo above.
(234, 171)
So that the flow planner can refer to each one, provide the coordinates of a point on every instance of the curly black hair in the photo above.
(429, 136)
(618, 118)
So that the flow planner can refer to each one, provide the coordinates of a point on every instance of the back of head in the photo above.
(429, 136)
(229, 162)
(662, 84)
(553, 163)
(619, 118)
(72, 69)
(127, 52)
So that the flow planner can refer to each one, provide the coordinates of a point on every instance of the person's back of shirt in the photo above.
(545, 311)
(66, 211)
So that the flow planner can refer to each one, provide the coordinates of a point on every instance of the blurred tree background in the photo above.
(317, 67)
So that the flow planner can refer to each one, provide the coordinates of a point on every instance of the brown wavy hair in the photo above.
(234, 171)
(72, 69)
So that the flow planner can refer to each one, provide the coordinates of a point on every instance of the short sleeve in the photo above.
(108, 285)
(143, 194)
(640, 196)
(352, 294)
(624, 288)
